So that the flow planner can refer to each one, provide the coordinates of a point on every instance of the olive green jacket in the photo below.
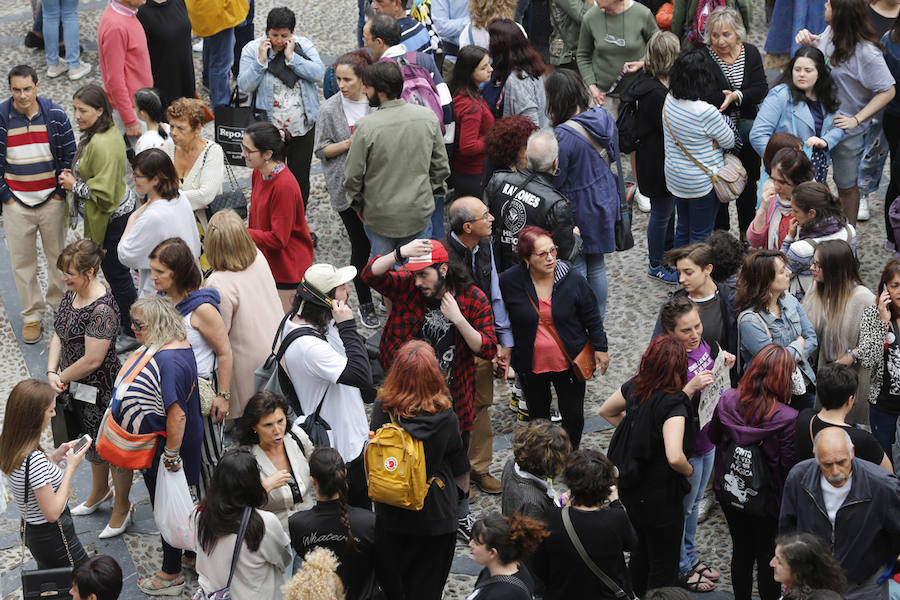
(565, 17)
(102, 167)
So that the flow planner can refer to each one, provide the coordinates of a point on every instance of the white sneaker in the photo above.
(198, 47)
(642, 201)
(863, 213)
(57, 69)
(80, 71)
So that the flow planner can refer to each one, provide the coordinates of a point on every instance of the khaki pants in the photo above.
(482, 440)
(22, 225)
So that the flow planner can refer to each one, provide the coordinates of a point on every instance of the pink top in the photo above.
(759, 239)
(548, 358)
(124, 60)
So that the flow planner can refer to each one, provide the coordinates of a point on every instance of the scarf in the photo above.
(279, 68)
(780, 210)
(822, 228)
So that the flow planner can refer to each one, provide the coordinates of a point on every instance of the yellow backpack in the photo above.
(395, 468)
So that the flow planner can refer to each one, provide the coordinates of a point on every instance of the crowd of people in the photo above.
(473, 152)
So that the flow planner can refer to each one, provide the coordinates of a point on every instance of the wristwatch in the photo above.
(226, 395)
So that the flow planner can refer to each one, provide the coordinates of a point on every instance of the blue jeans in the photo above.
(437, 219)
(871, 166)
(703, 466)
(696, 217)
(218, 54)
(65, 11)
(884, 427)
(593, 268)
(360, 21)
(382, 245)
(661, 228)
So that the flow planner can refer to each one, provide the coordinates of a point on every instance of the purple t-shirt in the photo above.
(699, 359)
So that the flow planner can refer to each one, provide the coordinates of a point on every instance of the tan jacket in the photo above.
(281, 500)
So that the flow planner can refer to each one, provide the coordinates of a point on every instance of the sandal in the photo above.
(705, 571)
(695, 582)
(157, 586)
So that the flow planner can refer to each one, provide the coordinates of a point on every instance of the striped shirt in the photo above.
(696, 124)
(41, 472)
(30, 169)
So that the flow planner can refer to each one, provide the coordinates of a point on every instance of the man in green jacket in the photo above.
(396, 164)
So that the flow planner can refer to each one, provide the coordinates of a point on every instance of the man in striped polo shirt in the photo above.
(36, 144)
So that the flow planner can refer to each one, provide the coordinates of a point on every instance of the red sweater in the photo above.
(124, 60)
(278, 225)
(472, 123)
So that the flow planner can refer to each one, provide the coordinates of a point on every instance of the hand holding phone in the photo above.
(81, 443)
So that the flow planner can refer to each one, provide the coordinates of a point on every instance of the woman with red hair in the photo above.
(755, 420)
(414, 548)
(650, 451)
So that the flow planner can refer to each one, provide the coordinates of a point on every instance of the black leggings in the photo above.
(752, 541)
(891, 125)
(359, 252)
(118, 275)
(660, 528)
(298, 156)
(412, 567)
(569, 395)
(46, 544)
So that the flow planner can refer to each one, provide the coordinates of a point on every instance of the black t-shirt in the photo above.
(440, 334)
(711, 317)
(865, 446)
(503, 590)
(880, 23)
(889, 397)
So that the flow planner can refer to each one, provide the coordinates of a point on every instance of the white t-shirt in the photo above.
(314, 366)
(834, 496)
(151, 139)
(355, 110)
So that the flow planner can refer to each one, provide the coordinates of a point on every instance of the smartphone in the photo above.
(81, 443)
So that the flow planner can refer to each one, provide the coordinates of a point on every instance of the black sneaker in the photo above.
(464, 528)
(33, 39)
(367, 316)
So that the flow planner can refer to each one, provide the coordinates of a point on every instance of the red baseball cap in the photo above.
(438, 255)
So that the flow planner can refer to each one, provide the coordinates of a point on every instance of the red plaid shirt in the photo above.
(405, 323)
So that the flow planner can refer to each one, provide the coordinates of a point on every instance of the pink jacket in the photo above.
(124, 59)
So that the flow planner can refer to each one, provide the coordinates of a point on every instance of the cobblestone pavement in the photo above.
(633, 302)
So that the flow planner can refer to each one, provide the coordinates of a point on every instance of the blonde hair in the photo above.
(22, 422)
(482, 12)
(724, 15)
(317, 579)
(662, 50)
(162, 321)
(228, 245)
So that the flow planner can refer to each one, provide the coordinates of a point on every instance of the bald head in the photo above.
(542, 150)
(470, 219)
(833, 450)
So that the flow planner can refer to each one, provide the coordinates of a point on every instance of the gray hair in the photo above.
(459, 216)
(847, 439)
(724, 15)
(162, 321)
(542, 150)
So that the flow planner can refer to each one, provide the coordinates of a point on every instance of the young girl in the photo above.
(805, 104)
(788, 168)
(498, 543)
(150, 110)
(834, 304)
(473, 119)
(817, 217)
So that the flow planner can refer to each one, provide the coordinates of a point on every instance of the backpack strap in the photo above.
(740, 317)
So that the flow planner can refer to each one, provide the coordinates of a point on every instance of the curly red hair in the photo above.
(414, 383)
(505, 141)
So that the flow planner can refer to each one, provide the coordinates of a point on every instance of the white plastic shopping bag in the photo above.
(173, 506)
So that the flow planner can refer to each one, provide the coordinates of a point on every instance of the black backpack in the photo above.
(744, 484)
(627, 124)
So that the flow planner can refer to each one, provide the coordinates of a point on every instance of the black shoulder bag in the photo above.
(579, 547)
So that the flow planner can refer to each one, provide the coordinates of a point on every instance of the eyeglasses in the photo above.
(137, 176)
(551, 251)
(247, 150)
(67, 275)
(486, 217)
(815, 264)
(611, 39)
(137, 325)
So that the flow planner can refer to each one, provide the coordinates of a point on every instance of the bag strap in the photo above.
(25, 514)
(510, 579)
(579, 128)
(738, 321)
(551, 329)
(237, 543)
(299, 443)
(811, 436)
(700, 165)
(579, 547)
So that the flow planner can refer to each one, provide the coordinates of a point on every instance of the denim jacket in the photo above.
(783, 331)
(779, 113)
(253, 76)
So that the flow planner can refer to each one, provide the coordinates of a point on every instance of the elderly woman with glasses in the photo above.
(157, 392)
(554, 315)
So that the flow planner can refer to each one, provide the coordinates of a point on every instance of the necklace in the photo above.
(609, 38)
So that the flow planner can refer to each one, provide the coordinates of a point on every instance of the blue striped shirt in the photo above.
(696, 124)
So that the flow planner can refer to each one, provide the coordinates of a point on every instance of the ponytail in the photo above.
(328, 469)
(812, 195)
(150, 101)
